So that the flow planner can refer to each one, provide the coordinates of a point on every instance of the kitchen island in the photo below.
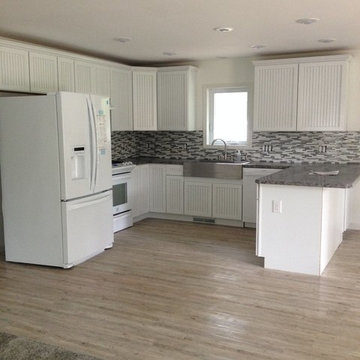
(302, 215)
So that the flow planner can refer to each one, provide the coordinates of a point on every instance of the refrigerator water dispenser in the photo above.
(78, 163)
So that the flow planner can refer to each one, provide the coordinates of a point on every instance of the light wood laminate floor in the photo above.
(176, 291)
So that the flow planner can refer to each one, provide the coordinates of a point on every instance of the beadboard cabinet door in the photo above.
(140, 190)
(144, 99)
(66, 74)
(176, 98)
(275, 97)
(157, 179)
(14, 69)
(121, 99)
(227, 201)
(101, 83)
(84, 81)
(175, 194)
(322, 101)
(43, 72)
(198, 198)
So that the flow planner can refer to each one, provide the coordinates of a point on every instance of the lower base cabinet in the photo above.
(140, 190)
(214, 198)
(198, 198)
(175, 194)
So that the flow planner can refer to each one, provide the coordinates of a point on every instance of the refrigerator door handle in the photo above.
(78, 204)
(96, 157)
(92, 145)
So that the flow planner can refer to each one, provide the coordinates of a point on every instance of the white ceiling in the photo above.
(184, 27)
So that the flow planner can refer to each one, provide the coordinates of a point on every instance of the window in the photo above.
(227, 115)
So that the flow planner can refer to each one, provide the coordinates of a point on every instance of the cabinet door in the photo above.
(139, 195)
(157, 177)
(227, 201)
(322, 88)
(144, 99)
(14, 69)
(176, 103)
(121, 99)
(66, 74)
(175, 194)
(197, 196)
(84, 77)
(275, 103)
(43, 73)
(101, 80)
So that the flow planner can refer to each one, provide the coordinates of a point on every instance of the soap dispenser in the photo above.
(238, 156)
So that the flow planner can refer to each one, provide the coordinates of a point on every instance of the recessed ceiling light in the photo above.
(257, 46)
(169, 53)
(223, 29)
(326, 41)
(122, 39)
(307, 21)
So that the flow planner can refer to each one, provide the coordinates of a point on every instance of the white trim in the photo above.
(299, 60)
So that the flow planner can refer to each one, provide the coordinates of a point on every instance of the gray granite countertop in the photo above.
(301, 175)
(267, 165)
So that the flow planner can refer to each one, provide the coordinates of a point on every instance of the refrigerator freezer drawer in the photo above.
(87, 227)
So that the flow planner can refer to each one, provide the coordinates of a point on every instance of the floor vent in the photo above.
(204, 220)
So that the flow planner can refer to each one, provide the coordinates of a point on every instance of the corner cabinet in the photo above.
(144, 99)
(301, 94)
(176, 98)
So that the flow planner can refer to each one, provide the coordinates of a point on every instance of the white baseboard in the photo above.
(354, 226)
(177, 217)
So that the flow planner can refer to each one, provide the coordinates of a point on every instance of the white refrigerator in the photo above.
(55, 157)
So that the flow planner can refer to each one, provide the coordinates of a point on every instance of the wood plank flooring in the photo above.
(179, 291)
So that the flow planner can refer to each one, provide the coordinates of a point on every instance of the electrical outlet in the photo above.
(267, 148)
(323, 148)
(277, 206)
(185, 147)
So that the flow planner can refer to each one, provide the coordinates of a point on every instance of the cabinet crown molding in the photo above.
(298, 60)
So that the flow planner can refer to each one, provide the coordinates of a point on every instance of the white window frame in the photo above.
(209, 91)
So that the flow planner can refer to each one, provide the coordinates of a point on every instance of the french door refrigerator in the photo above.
(55, 157)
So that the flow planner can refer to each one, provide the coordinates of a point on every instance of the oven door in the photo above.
(121, 185)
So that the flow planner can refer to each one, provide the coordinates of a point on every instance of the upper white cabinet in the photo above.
(121, 99)
(101, 83)
(322, 90)
(43, 72)
(176, 98)
(275, 97)
(301, 94)
(66, 74)
(14, 69)
(84, 82)
(144, 99)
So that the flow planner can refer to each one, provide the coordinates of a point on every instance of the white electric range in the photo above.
(121, 185)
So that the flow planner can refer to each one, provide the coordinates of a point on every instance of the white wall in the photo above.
(241, 71)
(1, 226)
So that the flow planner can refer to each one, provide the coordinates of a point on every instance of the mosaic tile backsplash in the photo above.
(340, 147)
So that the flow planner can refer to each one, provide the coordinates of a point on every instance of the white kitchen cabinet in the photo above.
(14, 69)
(198, 197)
(157, 180)
(176, 98)
(275, 97)
(66, 74)
(140, 190)
(43, 72)
(249, 192)
(227, 201)
(144, 99)
(301, 94)
(322, 101)
(121, 99)
(175, 194)
(84, 80)
(101, 82)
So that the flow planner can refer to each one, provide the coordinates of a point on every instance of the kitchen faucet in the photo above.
(225, 146)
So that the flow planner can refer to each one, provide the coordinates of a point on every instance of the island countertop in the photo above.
(303, 175)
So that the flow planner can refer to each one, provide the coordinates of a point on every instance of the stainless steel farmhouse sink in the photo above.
(214, 169)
